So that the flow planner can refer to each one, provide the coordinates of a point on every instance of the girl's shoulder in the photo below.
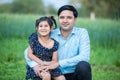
(55, 42)
(33, 36)
(55, 45)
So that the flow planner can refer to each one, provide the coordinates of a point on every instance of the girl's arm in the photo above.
(54, 59)
(52, 64)
(33, 57)
(55, 56)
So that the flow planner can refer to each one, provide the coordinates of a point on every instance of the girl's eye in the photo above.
(46, 25)
(40, 26)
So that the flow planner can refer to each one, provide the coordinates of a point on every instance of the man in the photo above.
(74, 47)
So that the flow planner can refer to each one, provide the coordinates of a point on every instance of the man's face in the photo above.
(66, 20)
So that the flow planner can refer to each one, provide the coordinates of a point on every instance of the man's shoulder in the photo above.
(79, 29)
(55, 31)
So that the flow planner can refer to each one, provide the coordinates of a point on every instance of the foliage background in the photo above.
(104, 37)
(17, 23)
(101, 8)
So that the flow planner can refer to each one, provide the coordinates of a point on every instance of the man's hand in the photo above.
(50, 67)
(48, 63)
(37, 70)
(53, 66)
(42, 73)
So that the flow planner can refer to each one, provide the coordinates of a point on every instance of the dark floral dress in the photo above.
(44, 54)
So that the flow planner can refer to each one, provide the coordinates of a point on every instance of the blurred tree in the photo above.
(27, 6)
(6, 8)
(49, 10)
(114, 8)
(52, 10)
(86, 5)
(99, 8)
(90, 4)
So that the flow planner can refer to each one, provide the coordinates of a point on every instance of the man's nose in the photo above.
(65, 20)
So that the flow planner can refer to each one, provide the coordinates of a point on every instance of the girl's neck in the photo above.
(44, 38)
(46, 41)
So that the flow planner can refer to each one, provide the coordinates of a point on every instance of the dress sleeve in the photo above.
(32, 40)
(56, 45)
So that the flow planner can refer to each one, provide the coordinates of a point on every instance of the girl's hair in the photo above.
(51, 21)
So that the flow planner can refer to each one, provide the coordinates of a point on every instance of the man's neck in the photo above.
(65, 34)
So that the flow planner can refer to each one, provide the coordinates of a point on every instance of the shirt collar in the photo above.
(59, 33)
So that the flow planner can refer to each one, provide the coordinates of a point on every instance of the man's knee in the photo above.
(83, 66)
(83, 71)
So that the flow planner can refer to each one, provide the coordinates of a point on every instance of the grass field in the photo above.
(104, 37)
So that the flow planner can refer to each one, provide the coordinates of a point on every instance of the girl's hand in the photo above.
(50, 67)
(37, 70)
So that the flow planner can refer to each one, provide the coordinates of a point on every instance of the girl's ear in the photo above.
(52, 27)
(36, 28)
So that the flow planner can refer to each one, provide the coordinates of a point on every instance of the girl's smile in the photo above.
(44, 28)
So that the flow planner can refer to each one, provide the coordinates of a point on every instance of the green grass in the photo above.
(105, 44)
(103, 32)
(12, 70)
(12, 62)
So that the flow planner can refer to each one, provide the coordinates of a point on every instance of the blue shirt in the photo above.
(72, 50)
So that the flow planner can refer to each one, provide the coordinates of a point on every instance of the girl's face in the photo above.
(44, 28)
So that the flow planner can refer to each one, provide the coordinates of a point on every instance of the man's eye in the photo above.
(69, 17)
(61, 17)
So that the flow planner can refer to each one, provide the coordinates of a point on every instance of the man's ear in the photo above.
(75, 19)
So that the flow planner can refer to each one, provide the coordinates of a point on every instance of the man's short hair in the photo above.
(68, 7)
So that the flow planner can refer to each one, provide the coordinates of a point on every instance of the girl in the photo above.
(43, 50)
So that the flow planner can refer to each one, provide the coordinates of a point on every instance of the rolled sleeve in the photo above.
(63, 63)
